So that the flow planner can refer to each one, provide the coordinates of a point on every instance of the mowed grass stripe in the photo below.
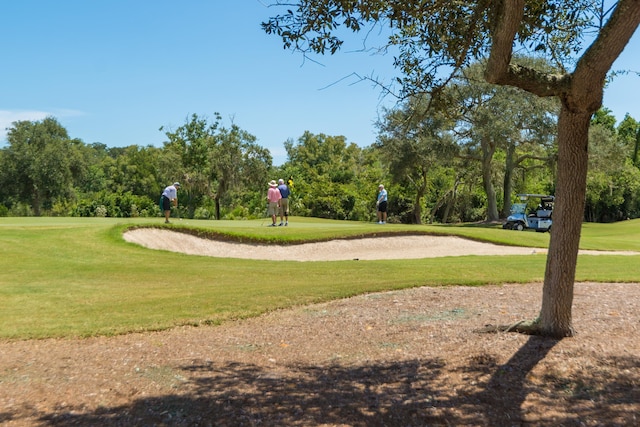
(68, 278)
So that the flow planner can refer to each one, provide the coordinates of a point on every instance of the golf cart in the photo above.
(538, 218)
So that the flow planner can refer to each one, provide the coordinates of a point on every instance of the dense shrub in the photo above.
(116, 205)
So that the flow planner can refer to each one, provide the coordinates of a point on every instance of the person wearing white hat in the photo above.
(381, 205)
(169, 197)
(273, 197)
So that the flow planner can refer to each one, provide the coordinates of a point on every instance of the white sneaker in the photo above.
(380, 222)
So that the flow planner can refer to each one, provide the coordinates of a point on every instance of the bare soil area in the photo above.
(404, 358)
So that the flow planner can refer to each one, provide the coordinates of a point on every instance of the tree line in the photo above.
(461, 159)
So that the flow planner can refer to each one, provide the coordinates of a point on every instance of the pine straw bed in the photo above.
(404, 358)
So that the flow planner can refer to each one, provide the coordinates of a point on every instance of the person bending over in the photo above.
(169, 197)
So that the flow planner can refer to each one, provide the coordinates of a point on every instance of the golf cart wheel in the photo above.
(518, 226)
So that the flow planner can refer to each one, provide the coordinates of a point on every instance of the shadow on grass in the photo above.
(408, 393)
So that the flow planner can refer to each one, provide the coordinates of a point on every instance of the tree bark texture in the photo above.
(417, 209)
(507, 187)
(420, 192)
(557, 294)
(488, 150)
(581, 95)
(583, 98)
(36, 201)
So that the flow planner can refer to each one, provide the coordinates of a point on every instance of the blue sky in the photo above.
(115, 71)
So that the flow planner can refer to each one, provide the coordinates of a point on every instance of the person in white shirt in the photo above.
(381, 204)
(169, 197)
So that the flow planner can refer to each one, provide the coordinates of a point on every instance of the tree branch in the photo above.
(508, 15)
(607, 47)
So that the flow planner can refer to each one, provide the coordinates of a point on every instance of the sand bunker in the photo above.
(395, 247)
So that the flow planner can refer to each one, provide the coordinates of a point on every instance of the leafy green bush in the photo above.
(101, 211)
(202, 213)
(239, 212)
(21, 209)
(116, 205)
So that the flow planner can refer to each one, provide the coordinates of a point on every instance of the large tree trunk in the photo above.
(416, 215)
(507, 187)
(450, 202)
(578, 105)
(420, 192)
(488, 149)
(36, 201)
(557, 296)
(581, 95)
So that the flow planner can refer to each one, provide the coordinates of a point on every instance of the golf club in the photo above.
(266, 213)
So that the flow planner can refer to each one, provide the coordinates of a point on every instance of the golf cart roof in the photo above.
(543, 197)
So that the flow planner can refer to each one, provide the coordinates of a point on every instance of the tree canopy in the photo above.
(41, 163)
(435, 39)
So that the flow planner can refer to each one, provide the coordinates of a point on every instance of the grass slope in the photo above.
(64, 277)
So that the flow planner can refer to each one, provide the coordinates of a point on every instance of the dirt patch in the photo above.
(404, 358)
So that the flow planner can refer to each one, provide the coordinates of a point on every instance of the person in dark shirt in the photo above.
(284, 202)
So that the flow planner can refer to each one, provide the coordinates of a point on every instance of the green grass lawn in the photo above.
(66, 277)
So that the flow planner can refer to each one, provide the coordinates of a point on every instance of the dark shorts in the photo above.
(382, 207)
(166, 203)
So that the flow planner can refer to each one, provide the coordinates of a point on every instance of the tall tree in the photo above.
(187, 158)
(629, 131)
(507, 119)
(415, 142)
(435, 37)
(612, 179)
(41, 163)
(331, 177)
(214, 159)
(612, 156)
(237, 161)
(135, 170)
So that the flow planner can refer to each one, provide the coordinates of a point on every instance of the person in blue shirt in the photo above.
(284, 202)
(381, 204)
